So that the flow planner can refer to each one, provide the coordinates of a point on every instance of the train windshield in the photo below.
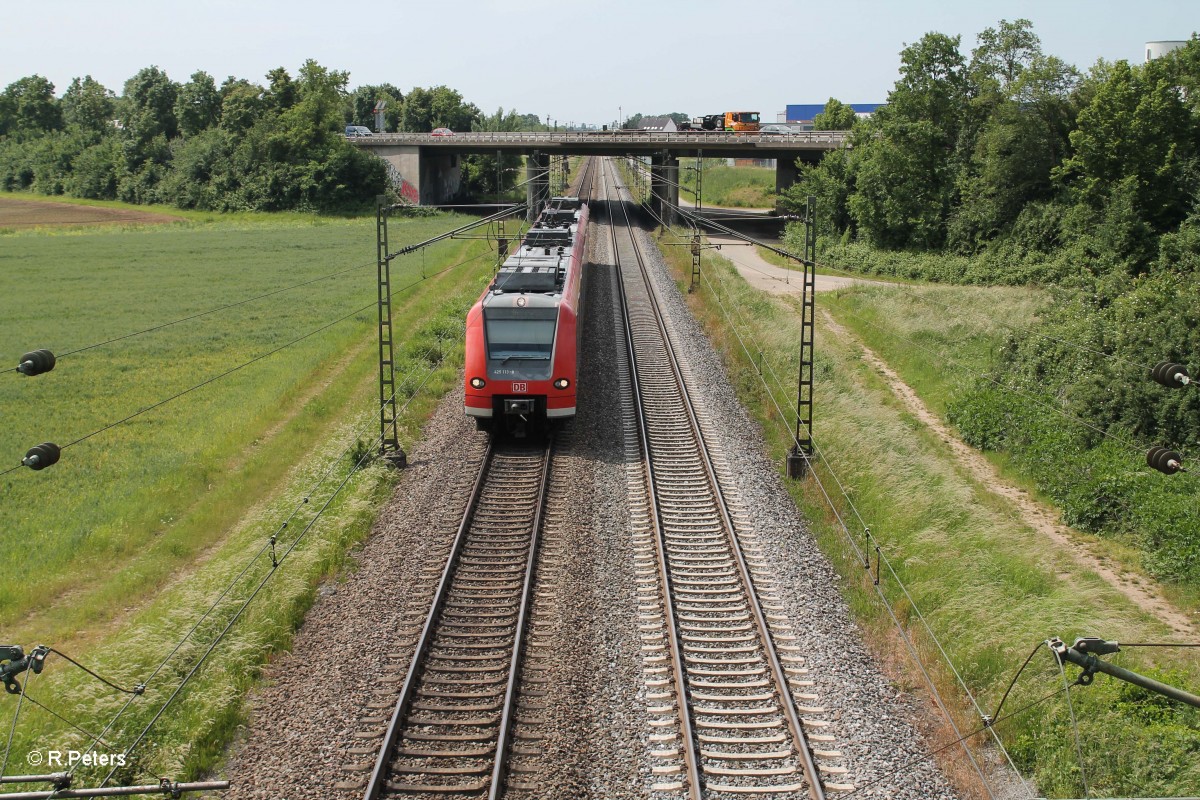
(520, 339)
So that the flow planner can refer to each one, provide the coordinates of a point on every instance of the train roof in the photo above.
(539, 266)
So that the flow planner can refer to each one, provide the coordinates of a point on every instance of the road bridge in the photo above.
(427, 168)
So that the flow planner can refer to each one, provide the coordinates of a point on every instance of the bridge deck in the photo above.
(720, 144)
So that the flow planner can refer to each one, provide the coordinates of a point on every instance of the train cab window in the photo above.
(522, 339)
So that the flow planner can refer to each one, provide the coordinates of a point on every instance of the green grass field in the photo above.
(731, 187)
(115, 552)
(990, 588)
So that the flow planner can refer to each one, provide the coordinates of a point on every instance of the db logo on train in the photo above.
(520, 387)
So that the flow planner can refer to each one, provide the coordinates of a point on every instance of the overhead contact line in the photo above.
(667, 445)
(25, 359)
(268, 546)
(863, 554)
(47, 454)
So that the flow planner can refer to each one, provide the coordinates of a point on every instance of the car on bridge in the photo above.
(442, 132)
(357, 130)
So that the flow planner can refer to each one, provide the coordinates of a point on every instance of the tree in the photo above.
(1015, 152)
(836, 116)
(28, 105)
(903, 187)
(439, 107)
(281, 91)
(1137, 134)
(906, 172)
(198, 105)
(831, 181)
(449, 110)
(89, 106)
(241, 105)
(418, 111)
(360, 108)
(1004, 53)
(148, 108)
(932, 84)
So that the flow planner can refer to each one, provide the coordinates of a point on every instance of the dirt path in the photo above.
(1140, 590)
(765, 276)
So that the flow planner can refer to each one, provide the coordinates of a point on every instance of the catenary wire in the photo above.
(154, 328)
(241, 610)
(1000, 384)
(926, 756)
(245, 364)
(269, 544)
(891, 570)
(99, 738)
(1026, 331)
(16, 716)
(1074, 727)
(903, 633)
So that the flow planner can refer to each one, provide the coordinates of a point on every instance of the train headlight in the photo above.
(478, 383)
(561, 383)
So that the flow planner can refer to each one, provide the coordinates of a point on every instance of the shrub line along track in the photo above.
(450, 729)
(741, 731)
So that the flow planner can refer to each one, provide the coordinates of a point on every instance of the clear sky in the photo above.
(573, 61)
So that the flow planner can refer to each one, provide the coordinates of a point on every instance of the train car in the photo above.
(523, 333)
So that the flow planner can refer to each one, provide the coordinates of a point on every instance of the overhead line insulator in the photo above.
(1170, 374)
(36, 362)
(42, 455)
(1165, 461)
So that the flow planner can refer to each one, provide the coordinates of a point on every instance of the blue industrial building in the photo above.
(805, 112)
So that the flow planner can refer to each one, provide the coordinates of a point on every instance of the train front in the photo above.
(522, 336)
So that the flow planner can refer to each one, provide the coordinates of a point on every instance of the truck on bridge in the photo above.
(739, 121)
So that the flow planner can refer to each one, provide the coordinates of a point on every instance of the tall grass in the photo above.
(138, 529)
(989, 587)
(733, 187)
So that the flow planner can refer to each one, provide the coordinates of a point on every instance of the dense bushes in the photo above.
(192, 145)
(236, 147)
(1090, 361)
(1032, 173)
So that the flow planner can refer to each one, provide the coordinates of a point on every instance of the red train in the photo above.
(523, 333)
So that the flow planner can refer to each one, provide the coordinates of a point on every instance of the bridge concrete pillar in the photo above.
(657, 193)
(403, 169)
(537, 185)
(421, 175)
(786, 174)
(440, 176)
(670, 189)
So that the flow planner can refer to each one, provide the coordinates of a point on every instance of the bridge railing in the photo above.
(822, 139)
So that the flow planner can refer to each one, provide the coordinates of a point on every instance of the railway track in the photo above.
(451, 728)
(723, 669)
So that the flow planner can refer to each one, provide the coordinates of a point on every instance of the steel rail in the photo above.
(499, 771)
(377, 783)
(378, 780)
(816, 789)
(688, 734)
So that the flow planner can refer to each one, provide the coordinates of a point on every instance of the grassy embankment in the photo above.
(990, 587)
(731, 187)
(114, 554)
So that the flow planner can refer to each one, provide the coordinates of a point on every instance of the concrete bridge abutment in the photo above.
(537, 183)
(419, 176)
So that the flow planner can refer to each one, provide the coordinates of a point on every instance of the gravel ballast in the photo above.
(324, 705)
